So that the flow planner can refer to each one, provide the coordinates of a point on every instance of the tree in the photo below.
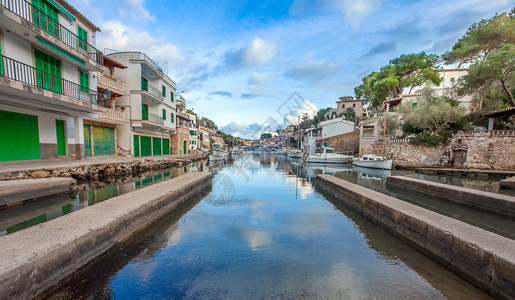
(190, 111)
(266, 136)
(496, 69)
(208, 123)
(392, 124)
(350, 114)
(482, 39)
(406, 71)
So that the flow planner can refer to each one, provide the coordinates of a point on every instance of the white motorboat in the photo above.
(295, 153)
(216, 155)
(328, 156)
(373, 161)
(281, 151)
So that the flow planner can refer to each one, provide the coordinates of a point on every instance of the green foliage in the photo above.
(208, 123)
(266, 136)
(392, 124)
(350, 114)
(427, 139)
(406, 71)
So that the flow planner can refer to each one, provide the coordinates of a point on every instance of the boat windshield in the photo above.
(329, 150)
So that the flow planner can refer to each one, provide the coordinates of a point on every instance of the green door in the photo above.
(144, 111)
(19, 136)
(104, 141)
(185, 147)
(48, 74)
(156, 146)
(136, 145)
(61, 137)
(87, 139)
(166, 146)
(146, 146)
(144, 84)
(46, 17)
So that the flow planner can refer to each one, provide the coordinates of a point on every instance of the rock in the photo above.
(472, 165)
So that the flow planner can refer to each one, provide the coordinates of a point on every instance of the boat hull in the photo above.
(328, 159)
(383, 164)
(295, 155)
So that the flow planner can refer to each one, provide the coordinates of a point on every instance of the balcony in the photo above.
(112, 115)
(153, 118)
(28, 12)
(20, 72)
(111, 84)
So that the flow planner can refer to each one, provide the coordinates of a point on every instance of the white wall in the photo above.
(335, 127)
(17, 48)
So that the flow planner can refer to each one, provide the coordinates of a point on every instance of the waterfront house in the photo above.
(181, 137)
(194, 135)
(346, 102)
(204, 133)
(47, 85)
(151, 103)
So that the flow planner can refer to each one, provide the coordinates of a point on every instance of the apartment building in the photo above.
(181, 137)
(47, 85)
(194, 132)
(151, 105)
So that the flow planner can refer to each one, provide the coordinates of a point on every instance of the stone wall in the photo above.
(486, 149)
(182, 134)
(403, 150)
(348, 143)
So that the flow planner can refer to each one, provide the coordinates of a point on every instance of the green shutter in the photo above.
(164, 114)
(136, 145)
(84, 81)
(146, 146)
(164, 91)
(61, 137)
(144, 84)
(156, 146)
(171, 96)
(172, 119)
(46, 17)
(104, 140)
(19, 136)
(166, 146)
(144, 111)
(87, 139)
(185, 146)
(48, 74)
(83, 38)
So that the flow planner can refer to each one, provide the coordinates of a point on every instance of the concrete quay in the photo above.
(485, 259)
(508, 182)
(498, 204)
(17, 192)
(466, 172)
(92, 167)
(35, 259)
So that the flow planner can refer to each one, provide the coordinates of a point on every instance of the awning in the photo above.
(61, 9)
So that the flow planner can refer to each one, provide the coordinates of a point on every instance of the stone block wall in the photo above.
(487, 149)
(348, 143)
(406, 151)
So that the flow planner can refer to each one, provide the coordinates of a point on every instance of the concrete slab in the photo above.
(485, 259)
(16, 192)
(466, 172)
(508, 182)
(498, 204)
(36, 258)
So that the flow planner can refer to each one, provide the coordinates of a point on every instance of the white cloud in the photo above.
(122, 37)
(134, 9)
(356, 11)
(313, 71)
(258, 52)
(260, 78)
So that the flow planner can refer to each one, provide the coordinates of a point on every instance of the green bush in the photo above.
(428, 140)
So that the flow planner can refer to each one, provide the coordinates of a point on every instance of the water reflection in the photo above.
(90, 193)
(278, 238)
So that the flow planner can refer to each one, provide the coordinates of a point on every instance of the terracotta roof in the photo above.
(501, 113)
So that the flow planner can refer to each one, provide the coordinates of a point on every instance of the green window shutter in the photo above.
(164, 91)
(166, 146)
(171, 96)
(144, 111)
(84, 81)
(164, 114)
(172, 119)
(48, 74)
(156, 146)
(46, 17)
(414, 104)
(83, 38)
(144, 84)
(61, 137)
(136, 145)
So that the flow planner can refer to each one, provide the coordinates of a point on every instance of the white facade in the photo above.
(194, 132)
(29, 53)
(336, 126)
(151, 98)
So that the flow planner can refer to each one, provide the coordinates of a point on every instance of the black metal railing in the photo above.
(47, 23)
(18, 71)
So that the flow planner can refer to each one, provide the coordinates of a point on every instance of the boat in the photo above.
(216, 155)
(295, 153)
(328, 156)
(281, 151)
(373, 161)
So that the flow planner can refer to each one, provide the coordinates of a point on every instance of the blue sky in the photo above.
(238, 62)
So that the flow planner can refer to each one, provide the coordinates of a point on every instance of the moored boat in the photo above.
(373, 161)
(328, 156)
(295, 153)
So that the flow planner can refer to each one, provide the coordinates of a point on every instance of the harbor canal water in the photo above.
(264, 232)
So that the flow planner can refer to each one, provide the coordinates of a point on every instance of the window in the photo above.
(414, 104)
(164, 114)
(452, 79)
(353, 104)
(144, 84)
(164, 91)
(172, 119)
(144, 111)
(84, 81)
(46, 17)
(171, 96)
(83, 38)
(48, 74)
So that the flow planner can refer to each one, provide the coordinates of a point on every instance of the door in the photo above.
(48, 74)
(61, 137)
(104, 141)
(166, 146)
(144, 84)
(136, 145)
(185, 147)
(460, 157)
(156, 146)
(19, 138)
(144, 111)
(46, 17)
(87, 139)
(146, 145)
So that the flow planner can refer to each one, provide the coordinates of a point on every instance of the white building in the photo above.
(336, 126)
(151, 103)
(194, 134)
(48, 85)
